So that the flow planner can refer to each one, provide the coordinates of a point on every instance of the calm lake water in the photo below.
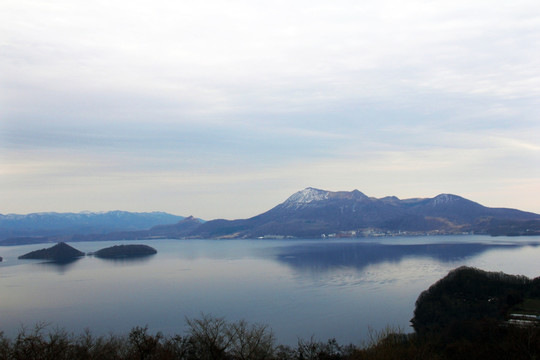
(300, 288)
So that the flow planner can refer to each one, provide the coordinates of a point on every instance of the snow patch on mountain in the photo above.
(306, 196)
(444, 199)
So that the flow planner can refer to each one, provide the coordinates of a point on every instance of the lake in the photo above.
(337, 288)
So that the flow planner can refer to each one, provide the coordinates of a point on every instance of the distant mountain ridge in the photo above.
(57, 224)
(320, 213)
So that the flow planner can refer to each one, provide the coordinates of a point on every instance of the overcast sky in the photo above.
(222, 109)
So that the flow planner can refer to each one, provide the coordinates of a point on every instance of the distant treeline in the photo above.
(462, 316)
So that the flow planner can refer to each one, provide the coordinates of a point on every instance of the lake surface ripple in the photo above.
(335, 288)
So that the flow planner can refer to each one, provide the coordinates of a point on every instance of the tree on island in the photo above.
(58, 252)
(124, 251)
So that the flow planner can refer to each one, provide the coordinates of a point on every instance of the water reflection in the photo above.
(59, 266)
(127, 260)
(327, 256)
(274, 282)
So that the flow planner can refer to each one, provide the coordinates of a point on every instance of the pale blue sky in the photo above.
(223, 109)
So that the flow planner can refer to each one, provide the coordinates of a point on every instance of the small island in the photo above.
(125, 251)
(58, 252)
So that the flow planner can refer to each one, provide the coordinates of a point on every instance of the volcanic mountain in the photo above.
(314, 212)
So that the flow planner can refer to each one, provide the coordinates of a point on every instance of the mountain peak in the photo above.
(307, 195)
(445, 199)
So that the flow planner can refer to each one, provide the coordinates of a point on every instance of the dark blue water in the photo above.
(300, 288)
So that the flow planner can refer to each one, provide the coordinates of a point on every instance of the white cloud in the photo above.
(216, 55)
(208, 95)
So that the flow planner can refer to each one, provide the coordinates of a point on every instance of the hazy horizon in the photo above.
(187, 215)
(223, 110)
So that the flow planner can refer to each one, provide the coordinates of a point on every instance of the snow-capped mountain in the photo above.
(52, 223)
(306, 196)
(313, 212)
